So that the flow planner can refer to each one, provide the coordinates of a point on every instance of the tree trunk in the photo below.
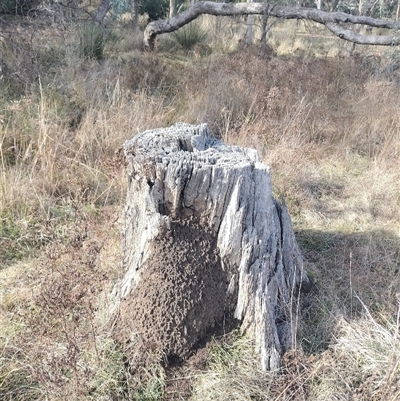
(172, 8)
(264, 30)
(361, 4)
(204, 241)
(332, 20)
(398, 10)
(135, 13)
(249, 31)
(101, 11)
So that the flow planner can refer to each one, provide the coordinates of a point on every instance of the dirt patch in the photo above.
(180, 379)
(181, 295)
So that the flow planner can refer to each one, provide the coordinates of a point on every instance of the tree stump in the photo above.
(203, 238)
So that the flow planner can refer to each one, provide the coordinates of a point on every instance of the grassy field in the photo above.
(324, 115)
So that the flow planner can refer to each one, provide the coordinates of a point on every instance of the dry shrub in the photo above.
(282, 100)
(17, 380)
(62, 155)
(153, 74)
(64, 349)
(376, 128)
(65, 314)
(28, 54)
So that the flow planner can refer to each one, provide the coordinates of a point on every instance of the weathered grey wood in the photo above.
(203, 237)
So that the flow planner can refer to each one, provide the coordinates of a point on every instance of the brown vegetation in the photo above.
(329, 127)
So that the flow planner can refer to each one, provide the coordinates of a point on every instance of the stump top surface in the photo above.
(187, 142)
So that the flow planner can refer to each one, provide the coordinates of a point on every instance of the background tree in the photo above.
(250, 23)
(102, 10)
(135, 12)
(172, 8)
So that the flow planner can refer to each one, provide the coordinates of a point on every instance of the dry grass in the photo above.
(329, 128)
(233, 373)
(362, 363)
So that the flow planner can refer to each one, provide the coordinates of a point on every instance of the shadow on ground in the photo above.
(350, 272)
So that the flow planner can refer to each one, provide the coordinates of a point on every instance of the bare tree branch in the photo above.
(352, 36)
(330, 19)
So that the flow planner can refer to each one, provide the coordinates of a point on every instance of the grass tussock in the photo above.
(189, 36)
(363, 362)
(233, 373)
(326, 122)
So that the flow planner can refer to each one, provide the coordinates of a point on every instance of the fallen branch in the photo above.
(331, 20)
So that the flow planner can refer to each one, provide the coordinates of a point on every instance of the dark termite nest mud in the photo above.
(181, 295)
